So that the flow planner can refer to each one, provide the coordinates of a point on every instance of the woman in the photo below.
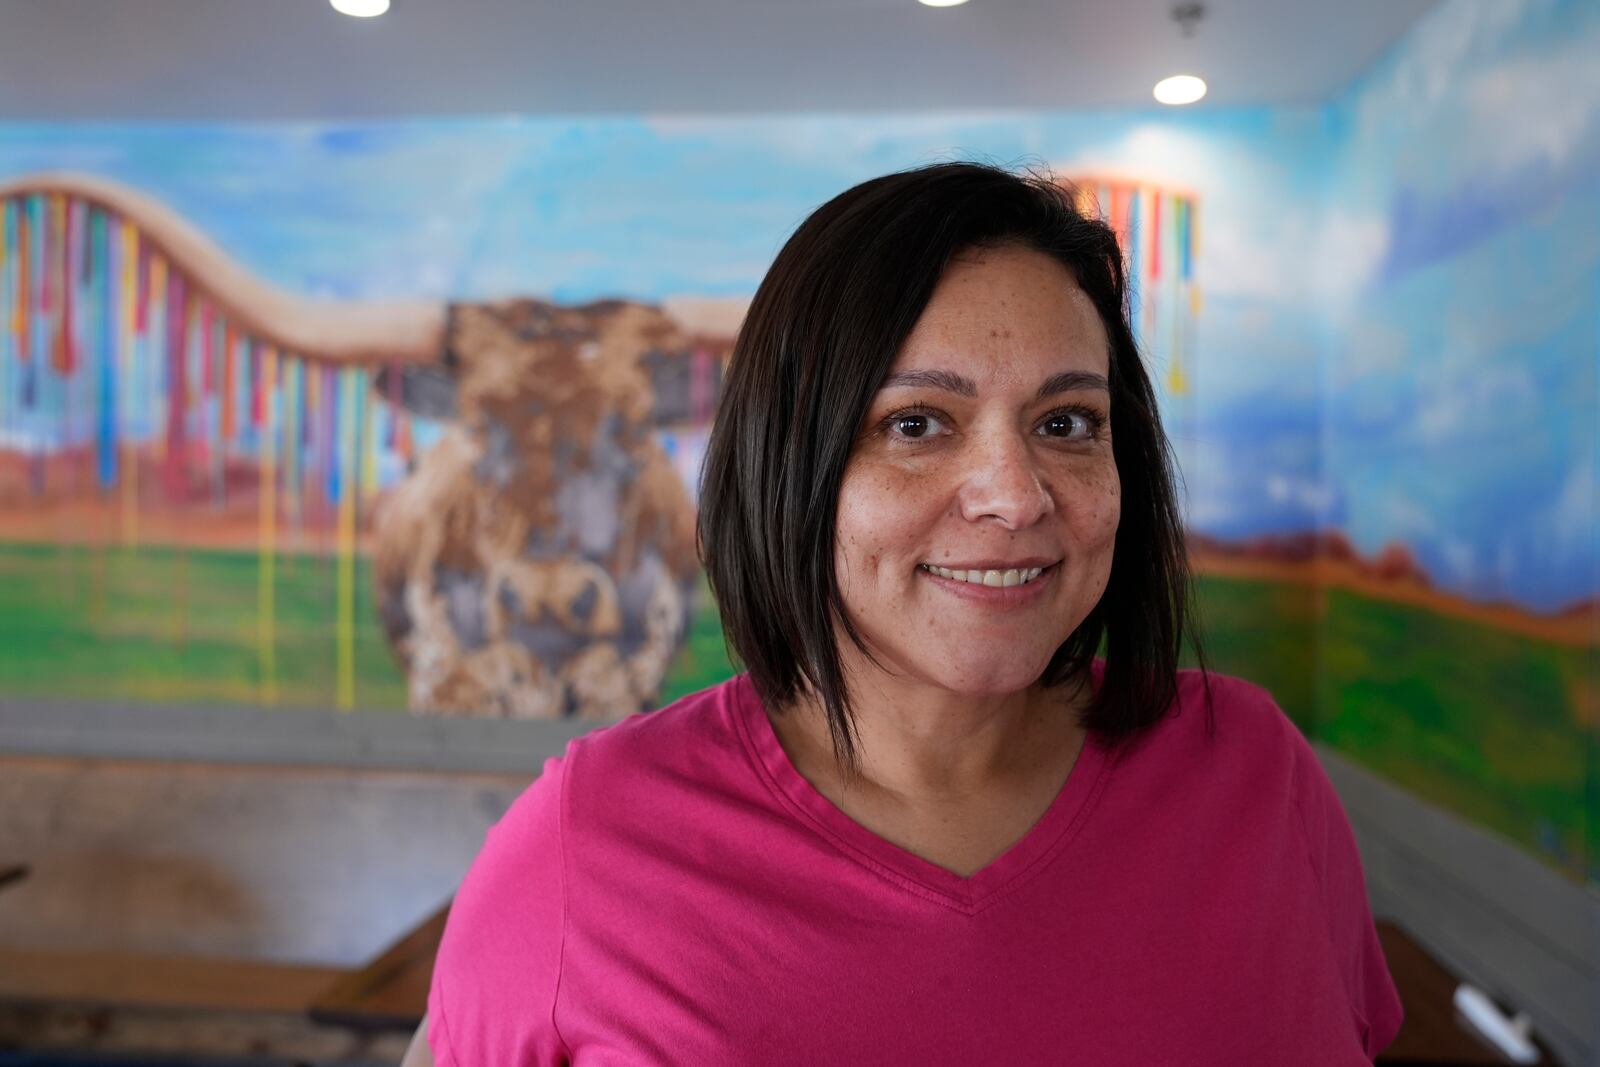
(928, 826)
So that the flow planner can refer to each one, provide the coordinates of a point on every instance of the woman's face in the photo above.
(979, 509)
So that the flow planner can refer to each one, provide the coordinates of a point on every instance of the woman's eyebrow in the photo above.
(951, 382)
(1071, 380)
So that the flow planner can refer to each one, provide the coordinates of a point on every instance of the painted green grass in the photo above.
(161, 624)
(1481, 722)
(704, 660)
(1476, 720)
(1262, 631)
(182, 627)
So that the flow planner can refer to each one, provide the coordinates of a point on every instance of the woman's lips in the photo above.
(995, 596)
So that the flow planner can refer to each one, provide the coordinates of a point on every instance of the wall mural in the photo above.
(409, 415)
(536, 559)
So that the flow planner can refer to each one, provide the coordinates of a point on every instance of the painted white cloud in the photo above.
(1299, 259)
(1349, 248)
(1461, 558)
(1240, 264)
(1243, 251)
(1150, 150)
(1303, 494)
(1445, 47)
(1504, 105)
(1404, 518)
(1368, 348)
(1300, 255)
(1539, 108)
(1572, 518)
(1501, 397)
(1207, 509)
(1231, 488)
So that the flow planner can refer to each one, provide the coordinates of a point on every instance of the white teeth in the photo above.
(996, 579)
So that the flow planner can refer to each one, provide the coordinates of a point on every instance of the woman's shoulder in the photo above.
(1221, 727)
(697, 723)
(635, 763)
(1233, 709)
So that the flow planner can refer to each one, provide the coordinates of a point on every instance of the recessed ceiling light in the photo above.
(942, 3)
(361, 9)
(1180, 89)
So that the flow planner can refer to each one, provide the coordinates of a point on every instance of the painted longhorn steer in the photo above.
(540, 560)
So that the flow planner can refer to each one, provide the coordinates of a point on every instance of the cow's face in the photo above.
(540, 559)
(517, 350)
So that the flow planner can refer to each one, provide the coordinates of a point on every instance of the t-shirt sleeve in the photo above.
(1332, 846)
(492, 999)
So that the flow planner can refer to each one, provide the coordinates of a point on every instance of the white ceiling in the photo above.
(274, 59)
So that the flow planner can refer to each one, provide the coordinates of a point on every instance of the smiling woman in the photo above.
(987, 457)
(939, 357)
(930, 825)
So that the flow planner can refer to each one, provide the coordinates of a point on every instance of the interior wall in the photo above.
(1460, 420)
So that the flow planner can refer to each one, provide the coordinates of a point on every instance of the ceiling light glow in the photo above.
(361, 9)
(942, 3)
(1180, 89)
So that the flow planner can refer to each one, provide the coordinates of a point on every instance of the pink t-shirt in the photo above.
(672, 891)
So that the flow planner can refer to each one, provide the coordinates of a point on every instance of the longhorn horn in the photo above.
(344, 331)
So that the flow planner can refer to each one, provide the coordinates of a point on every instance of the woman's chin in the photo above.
(976, 666)
(989, 677)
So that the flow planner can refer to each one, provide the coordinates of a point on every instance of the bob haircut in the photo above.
(821, 334)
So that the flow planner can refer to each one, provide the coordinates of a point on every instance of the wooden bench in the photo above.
(142, 980)
(179, 1008)
(391, 992)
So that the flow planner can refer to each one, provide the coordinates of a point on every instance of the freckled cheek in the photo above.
(884, 521)
(1094, 504)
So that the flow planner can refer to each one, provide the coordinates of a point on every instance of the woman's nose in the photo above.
(1002, 481)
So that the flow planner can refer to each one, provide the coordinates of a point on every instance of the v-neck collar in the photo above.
(1052, 833)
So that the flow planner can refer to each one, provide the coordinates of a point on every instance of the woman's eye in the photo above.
(1060, 424)
(916, 425)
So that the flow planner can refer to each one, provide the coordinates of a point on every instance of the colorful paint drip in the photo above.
(114, 361)
(1158, 232)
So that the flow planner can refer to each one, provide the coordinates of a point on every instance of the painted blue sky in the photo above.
(655, 207)
(1461, 400)
(644, 207)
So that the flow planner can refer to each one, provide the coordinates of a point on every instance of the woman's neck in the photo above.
(924, 748)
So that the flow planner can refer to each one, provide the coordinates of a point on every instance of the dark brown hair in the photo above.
(822, 332)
